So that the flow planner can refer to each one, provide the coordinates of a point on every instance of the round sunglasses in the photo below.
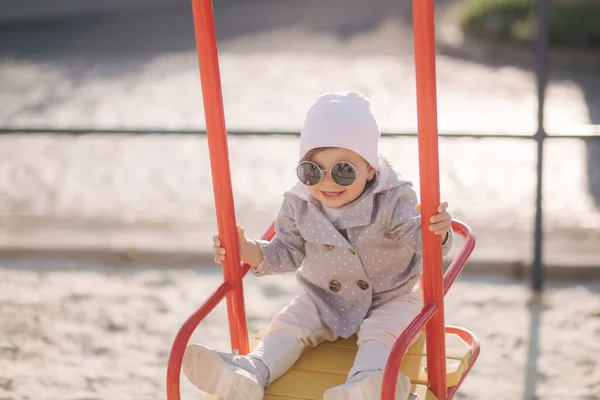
(342, 173)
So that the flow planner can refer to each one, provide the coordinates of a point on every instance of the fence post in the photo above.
(541, 67)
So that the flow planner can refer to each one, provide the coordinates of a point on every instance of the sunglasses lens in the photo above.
(308, 173)
(343, 173)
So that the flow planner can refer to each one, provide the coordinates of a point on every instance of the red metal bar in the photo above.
(401, 346)
(472, 341)
(206, 43)
(424, 38)
(402, 343)
(461, 258)
(183, 336)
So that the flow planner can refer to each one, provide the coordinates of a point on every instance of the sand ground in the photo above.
(106, 334)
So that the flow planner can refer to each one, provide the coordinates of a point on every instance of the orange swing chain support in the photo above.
(425, 73)
(433, 293)
(206, 43)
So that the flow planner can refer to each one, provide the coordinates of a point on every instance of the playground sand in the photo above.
(104, 333)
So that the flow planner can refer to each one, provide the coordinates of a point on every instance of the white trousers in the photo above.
(298, 325)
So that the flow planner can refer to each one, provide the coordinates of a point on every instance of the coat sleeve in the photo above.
(286, 251)
(405, 223)
(447, 245)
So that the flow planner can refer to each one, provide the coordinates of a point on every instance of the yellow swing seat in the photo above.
(328, 364)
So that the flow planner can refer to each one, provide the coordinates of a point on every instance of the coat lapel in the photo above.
(315, 227)
(360, 213)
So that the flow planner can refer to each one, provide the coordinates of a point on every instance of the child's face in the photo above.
(327, 191)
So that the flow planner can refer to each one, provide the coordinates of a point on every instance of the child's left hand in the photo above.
(441, 223)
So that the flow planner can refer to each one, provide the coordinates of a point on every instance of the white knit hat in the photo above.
(343, 120)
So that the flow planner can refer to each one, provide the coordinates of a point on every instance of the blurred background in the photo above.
(106, 203)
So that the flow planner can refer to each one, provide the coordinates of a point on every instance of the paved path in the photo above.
(155, 193)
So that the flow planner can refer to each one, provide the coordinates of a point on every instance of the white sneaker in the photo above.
(368, 388)
(215, 373)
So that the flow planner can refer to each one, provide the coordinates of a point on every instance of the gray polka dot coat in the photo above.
(371, 255)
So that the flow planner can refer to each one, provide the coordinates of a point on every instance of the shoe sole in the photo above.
(213, 375)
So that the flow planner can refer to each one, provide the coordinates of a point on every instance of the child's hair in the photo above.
(312, 152)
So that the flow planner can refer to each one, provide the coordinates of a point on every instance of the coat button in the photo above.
(352, 252)
(329, 247)
(363, 284)
(335, 286)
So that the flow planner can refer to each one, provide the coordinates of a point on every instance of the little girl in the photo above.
(351, 229)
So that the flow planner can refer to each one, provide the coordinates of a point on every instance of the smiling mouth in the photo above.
(331, 194)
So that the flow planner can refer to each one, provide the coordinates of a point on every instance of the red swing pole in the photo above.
(424, 44)
(206, 43)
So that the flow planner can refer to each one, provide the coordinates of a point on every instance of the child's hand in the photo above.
(441, 223)
(219, 252)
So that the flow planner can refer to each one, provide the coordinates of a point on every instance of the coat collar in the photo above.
(358, 213)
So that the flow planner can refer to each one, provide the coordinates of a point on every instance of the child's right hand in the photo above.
(219, 252)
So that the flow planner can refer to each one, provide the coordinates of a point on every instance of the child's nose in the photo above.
(327, 178)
